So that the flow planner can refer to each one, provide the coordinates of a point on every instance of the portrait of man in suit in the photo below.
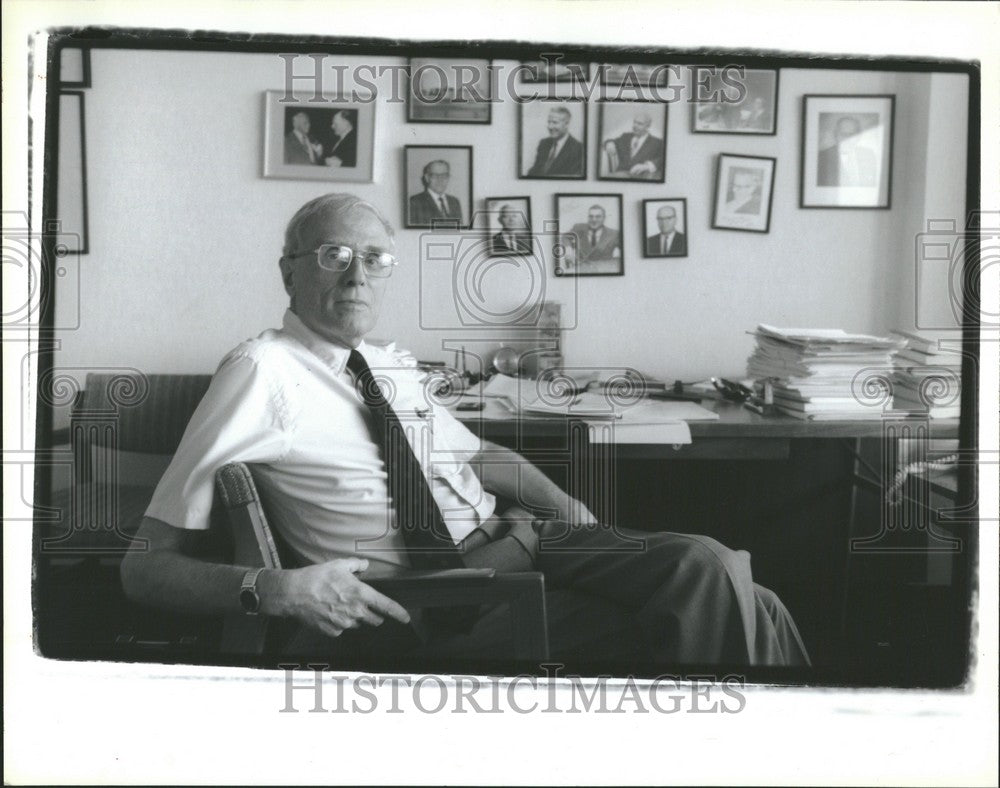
(847, 162)
(669, 241)
(341, 149)
(514, 236)
(300, 146)
(744, 193)
(598, 245)
(559, 154)
(637, 154)
(434, 203)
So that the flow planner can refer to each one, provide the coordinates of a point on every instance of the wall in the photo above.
(185, 233)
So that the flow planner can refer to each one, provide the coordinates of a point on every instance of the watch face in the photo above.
(249, 600)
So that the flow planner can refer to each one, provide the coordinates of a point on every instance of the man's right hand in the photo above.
(328, 597)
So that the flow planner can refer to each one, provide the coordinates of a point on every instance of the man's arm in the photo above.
(327, 597)
(506, 473)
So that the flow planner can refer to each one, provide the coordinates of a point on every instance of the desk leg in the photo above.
(849, 534)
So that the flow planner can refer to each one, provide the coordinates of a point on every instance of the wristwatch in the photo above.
(249, 598)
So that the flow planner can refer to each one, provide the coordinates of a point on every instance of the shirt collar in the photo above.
(333, 355)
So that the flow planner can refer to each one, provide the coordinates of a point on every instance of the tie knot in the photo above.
(356, 362)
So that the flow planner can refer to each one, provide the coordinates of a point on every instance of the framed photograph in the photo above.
(664, 226)
(847, 151)
(632, 141)
(744, 186)
(332, 141)
(438, 187)
(635, 74)
(449, 90)
(542, 71)
(552, 140)
(590, 228)
(509, 226)
(755, 113)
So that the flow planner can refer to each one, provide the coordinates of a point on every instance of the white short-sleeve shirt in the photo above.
(286, 402)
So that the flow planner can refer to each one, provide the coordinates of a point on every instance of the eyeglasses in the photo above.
(336, 258)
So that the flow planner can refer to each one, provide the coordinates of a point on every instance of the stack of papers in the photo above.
(824, 374)
(927, 378)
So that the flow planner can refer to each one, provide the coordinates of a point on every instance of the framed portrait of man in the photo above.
(725, 111)
(449, 90)
(330, 141)
(509, 226)
(552, 143)
(632, 141)
(591, 228)
(438, 188)
(847, 151)
(744, 186)
(664, 225)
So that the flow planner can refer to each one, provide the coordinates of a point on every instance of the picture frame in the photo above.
(755, 114)
(847, 151)
(435, 196)
(665, 235)
(744, 189)
(632, 141)
(508, 230)
(548, 71)
(432, 94)
(329, 141)
(548, 121)
(591, 237)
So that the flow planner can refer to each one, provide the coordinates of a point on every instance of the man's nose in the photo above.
(355, 273)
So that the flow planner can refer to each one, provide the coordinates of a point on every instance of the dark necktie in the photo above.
(429, 545)
(443, 206)
(593, 239)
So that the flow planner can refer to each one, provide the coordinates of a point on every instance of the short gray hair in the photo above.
(333, 204)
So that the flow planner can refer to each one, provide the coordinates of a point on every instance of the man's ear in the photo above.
(287, 270)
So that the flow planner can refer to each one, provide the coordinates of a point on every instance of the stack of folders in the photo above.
(927, 378)
(824, 374)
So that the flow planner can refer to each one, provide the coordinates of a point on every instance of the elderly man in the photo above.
(433, 204)
(512, 238)
(300, 146)
(595, 241)
(669, 242)
(309, 404)
(846, 162)
(635, 154)
(560, 154)
(342, 147)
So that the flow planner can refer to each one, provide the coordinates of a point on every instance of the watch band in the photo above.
(249, 598)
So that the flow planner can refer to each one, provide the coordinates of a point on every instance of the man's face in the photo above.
(846, 129)
(558, 124)
(339, 125)
(667, 219)
(743, 186)
(509, 219)
(342, 306)
(595, 218)
(640, 125)
(437, 178)
(301, 123)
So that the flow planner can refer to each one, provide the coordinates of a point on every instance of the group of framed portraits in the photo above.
(846, 154)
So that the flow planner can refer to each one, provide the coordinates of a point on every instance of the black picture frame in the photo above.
(532, 111)
(679, 247)
(523, 244)
(820, 177)
(736, 118)
(644, 75)
(71, 206)
(67, 67)
(603, 163)
(411, 205)
(456, 111)
(729, 206)
(574, 242)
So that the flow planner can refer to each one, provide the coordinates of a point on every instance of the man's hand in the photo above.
(328, 597)
(575, 513)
